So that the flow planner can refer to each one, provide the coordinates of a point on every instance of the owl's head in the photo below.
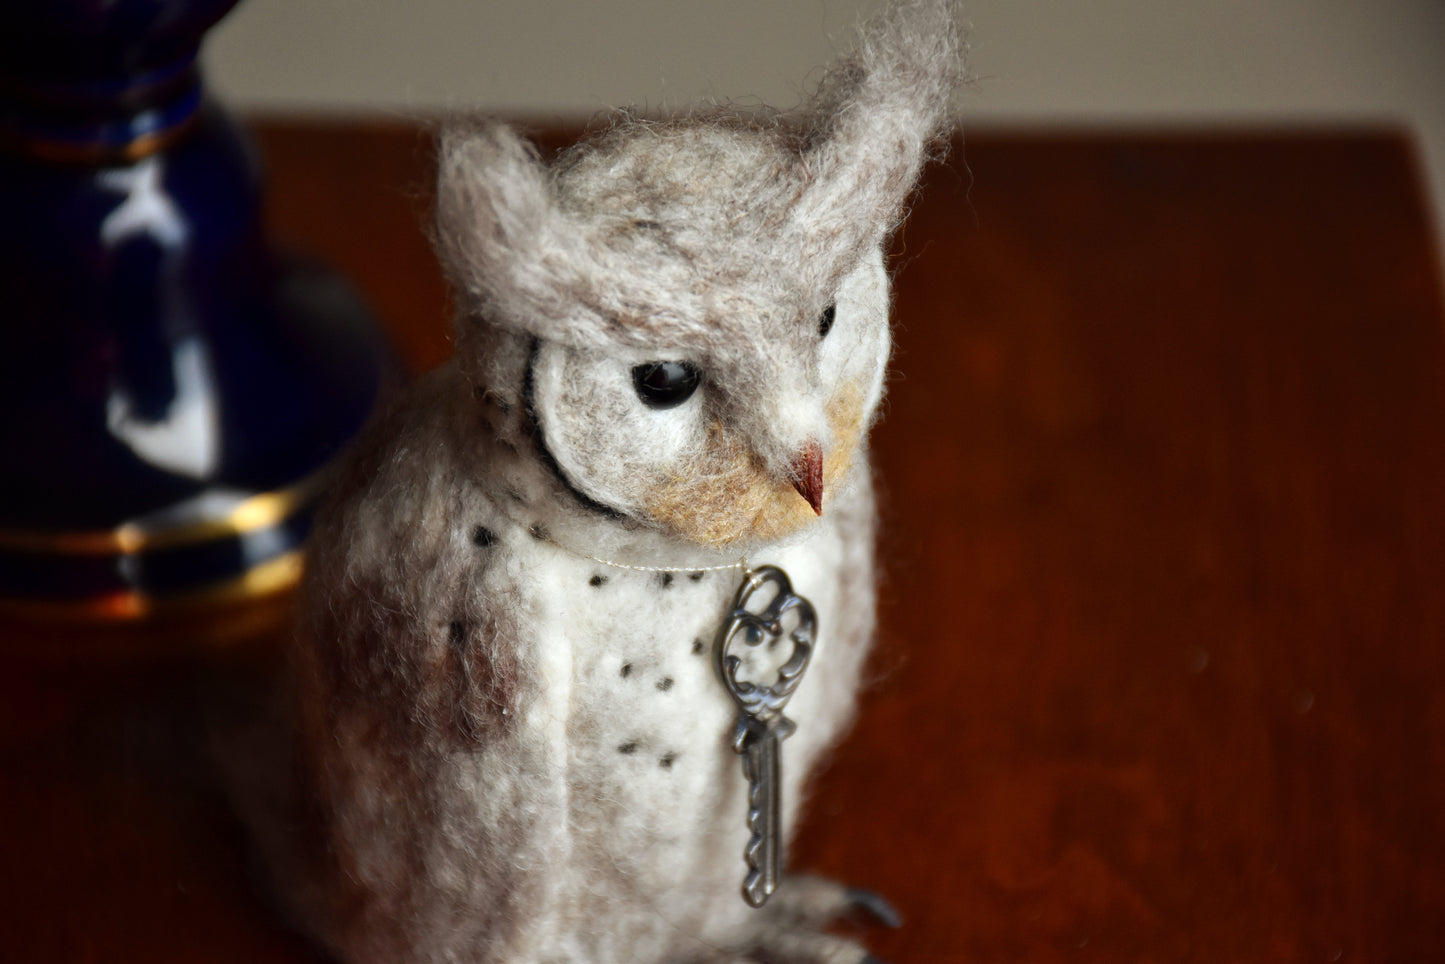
(703, 302)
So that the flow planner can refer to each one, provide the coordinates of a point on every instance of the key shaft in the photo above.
(762, 751)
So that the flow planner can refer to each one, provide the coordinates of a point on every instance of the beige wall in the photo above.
(1071, 61)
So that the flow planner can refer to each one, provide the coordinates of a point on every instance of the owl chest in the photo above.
(634, 724)
(641, 722)
(645, 716)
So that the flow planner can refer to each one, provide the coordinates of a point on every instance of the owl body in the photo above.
(508, 737)
(552, 752)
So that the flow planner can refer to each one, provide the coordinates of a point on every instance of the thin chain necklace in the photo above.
(539, 533)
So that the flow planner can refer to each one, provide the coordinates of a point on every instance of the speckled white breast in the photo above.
(656, 795)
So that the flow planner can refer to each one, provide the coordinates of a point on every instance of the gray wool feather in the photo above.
(504, 744)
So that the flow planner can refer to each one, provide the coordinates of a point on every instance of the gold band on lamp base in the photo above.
(271, 577)
(132, 620)
(260, 511)
(253, 607)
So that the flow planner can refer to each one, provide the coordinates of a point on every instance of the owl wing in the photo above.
(440, 808)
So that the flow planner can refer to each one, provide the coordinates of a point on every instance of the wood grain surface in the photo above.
(1161, 674)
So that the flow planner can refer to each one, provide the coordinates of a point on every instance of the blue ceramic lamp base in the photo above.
(174, 392)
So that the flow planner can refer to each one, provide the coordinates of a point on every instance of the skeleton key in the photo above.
(762, 727)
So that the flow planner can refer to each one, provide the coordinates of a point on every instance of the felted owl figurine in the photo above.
(517, 708)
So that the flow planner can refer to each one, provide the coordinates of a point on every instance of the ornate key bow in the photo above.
(762, 727)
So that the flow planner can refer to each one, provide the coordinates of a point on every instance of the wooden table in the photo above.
(1162, 667)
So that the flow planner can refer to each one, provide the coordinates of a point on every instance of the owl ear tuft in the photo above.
(491, 200)
(879, 116)
(504, 243)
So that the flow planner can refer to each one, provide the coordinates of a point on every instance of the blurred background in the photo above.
(1266, 63)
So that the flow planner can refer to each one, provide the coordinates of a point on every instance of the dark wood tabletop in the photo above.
(1161, 667)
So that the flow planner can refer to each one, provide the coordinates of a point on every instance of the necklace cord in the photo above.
(742, 563)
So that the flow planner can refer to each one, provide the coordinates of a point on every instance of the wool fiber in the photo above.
(505, 738)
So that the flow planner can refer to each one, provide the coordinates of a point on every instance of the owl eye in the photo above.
(665, 384)
(825, 321)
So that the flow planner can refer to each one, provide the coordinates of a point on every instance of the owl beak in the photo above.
(808, 475)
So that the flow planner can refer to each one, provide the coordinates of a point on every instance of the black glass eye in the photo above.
(665, 384)
(825, 321)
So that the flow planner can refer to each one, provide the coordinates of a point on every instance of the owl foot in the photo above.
(817, 901)
(877, 907)
(790, 929)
